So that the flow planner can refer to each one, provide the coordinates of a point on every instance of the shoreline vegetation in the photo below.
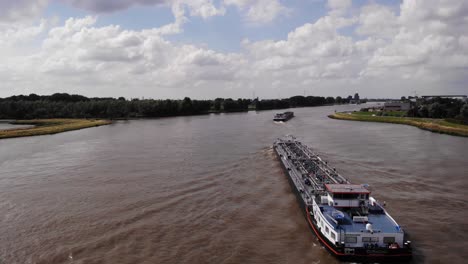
(49, 126)
(442, 126)
(62, 105)
(61, 112)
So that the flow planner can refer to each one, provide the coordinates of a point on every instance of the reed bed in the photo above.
(434, 125)
(50, 126)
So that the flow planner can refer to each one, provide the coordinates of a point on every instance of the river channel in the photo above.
(209, 189)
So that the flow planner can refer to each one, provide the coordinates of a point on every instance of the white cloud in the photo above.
(339, 4)
(255, 11)
(339, 7)
(204, 8)
(427, 41)
(259, 11)
(110, 56)
(377, 20)
(311, 53)
(311, 42)
(424, 45)
(19, 10)
(201, 8)
(18, 34)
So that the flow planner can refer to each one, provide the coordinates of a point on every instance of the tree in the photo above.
(339, 100)
(63, 105)
(436, 110)
(34, 97)
(217, 104)
(464, 112)
(233, 106)
(413, 111)
(186, 106)
(423, 111)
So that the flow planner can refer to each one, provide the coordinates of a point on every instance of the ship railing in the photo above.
(323, 165)
(299, 153)
(296, 177)
(333, 220)
(306, 174)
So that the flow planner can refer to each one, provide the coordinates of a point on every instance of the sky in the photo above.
(206, 49)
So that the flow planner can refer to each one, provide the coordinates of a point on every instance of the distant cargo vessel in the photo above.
(350, 223)
(283, 116)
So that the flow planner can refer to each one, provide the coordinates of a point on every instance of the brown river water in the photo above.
(208, 189)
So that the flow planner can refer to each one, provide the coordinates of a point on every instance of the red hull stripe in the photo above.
(342, 254)
(316, 233)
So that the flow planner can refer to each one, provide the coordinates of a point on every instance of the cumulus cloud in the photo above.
(423, 45)
(202, 8)
(313, 50)
(19, 10)
(378, 21)
(14, 35)
(259, 11)
(339, 7)
(255, 11)
(428, 41)
(110, 6)
(109, 55)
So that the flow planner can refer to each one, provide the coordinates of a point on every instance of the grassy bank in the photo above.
(50, 126)
(434, 125)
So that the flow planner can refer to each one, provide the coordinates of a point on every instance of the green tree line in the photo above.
(63, 105)
(447, 108)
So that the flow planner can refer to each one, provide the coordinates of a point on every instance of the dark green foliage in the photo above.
(229, 105)
(464, 112)
(339, 100)
(413, 112)
(186, 106)
(64, 97)
(273, 104)
(438, 108)
(296, 101)
(62, 105)
(217, 104)
(423, 111)
(77, 106)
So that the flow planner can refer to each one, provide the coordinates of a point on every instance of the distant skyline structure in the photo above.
(233, 48)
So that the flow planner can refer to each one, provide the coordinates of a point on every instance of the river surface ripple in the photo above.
(208, 189)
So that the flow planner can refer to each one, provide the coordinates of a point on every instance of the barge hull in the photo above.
(361, 255)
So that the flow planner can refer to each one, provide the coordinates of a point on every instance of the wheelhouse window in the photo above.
(346, 196)
(370, 239)
(388, 240)
(350, 239)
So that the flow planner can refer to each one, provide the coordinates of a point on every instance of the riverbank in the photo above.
(50, 126)
(433, 125)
